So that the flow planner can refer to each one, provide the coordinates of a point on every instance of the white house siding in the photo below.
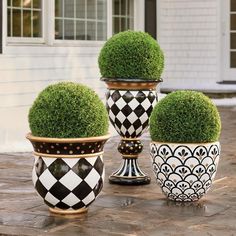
(25, 71)
(189, 34)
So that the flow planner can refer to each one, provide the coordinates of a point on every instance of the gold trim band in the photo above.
(67, 140)
(130, 139)
(68, 156)
(129, 156)
(132, 85)
(69, 212)
(127, 177)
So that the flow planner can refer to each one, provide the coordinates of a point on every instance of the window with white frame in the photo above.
(24, 18)
(87, 20)
(81, 20)
(122, 15)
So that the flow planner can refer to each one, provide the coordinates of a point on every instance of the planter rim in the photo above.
(31, 137)
(206, 143)
(129, 84)
(128, 80)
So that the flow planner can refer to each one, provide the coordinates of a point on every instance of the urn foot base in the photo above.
(68, 212)
(129, 174)
(129, 181)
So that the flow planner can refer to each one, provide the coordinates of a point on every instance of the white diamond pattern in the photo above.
(48, 179)
(71, 180)
(122, 111)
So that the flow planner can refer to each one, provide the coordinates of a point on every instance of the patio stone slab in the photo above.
(123, 210)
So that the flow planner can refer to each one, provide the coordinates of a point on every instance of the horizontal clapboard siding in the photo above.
(189, 36)
(25, 71)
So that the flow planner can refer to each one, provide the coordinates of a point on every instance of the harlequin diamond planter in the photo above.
(129, 105)
(185, 172)
(68, 173)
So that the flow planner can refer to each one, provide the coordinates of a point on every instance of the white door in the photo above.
(229, 39)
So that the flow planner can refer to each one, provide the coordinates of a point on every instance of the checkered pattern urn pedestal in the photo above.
(129, 105)
(68, 175)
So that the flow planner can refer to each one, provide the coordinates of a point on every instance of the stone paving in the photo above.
(123, 210)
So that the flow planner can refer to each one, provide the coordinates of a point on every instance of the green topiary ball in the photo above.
(131, 55)
(185, 117)
(68, 110)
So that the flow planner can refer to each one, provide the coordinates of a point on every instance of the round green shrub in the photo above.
(131, 55)
(185, 117)
(68, 110)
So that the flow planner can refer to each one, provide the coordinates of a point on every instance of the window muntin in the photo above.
(24, 18)
(122, 15)
(81, 20)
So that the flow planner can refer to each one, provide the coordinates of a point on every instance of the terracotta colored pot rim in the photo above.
(133, 80)
(31, 137)
(131, 84)
(179, 144)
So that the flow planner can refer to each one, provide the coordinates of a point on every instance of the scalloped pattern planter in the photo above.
(185, 172)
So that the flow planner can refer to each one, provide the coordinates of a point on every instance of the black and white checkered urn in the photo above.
(129, 105)
(68, 173)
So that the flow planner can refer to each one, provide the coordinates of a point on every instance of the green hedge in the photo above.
(131, 55)
(185, 117)
(68, 110)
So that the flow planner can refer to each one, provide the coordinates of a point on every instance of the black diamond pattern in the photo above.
(41, 189)
(82, 168)
(126, 110)
(40, 166)
(117, 122)
(115, 109)
(82, 194)
(139, 110)
(128, 97)
(58, 168)
(78, 205)
(97, 189)
(137, 124)
(59, 190)
(48, 203)
(98, 166)
(115, 96)
(140, 97)
(126, 123)
(62, 205)
(149, 111)
(136, 117)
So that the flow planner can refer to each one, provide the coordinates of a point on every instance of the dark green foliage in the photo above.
(68, 110)
(185, 117)
(133, 55)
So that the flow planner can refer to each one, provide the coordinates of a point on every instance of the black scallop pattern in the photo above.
(185, 174)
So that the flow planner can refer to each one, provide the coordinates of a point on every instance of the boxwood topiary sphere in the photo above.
(68, 110)
(185, 117)
(131, 55)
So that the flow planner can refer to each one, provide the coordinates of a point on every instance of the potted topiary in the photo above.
(131, 64)
(185, 128)
(69, 126)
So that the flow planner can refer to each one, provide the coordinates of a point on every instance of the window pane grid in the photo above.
(122, 15)
(80, 20)
(24, 20)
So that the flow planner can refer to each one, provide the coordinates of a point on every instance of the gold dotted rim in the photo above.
(31, 137)
(68, 212)
(68, 156)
